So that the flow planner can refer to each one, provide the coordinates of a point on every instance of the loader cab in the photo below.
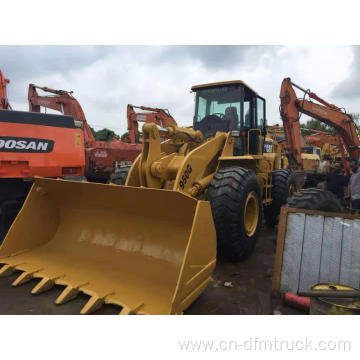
(231, 106)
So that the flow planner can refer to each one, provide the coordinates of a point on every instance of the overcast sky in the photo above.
(106, 78)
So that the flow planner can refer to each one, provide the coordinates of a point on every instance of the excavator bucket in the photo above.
(149, 251)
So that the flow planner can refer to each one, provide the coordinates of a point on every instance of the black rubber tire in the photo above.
(227, 194)
(282, 180)
(315, 199)
(119, 176)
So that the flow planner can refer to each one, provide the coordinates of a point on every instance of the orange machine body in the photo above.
(101, 156)
(34, 144)
(40, 145)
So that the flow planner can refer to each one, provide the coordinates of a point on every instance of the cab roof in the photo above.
(222, 83)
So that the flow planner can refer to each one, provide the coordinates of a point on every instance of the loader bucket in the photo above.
(149, 251)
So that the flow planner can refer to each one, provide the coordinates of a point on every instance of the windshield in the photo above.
(223, 102)
(310, 150)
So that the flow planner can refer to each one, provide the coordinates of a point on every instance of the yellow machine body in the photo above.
(188, 166)
(149, 246)
(121, 245)
(311, 162)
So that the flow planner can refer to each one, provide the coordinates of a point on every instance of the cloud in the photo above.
(350, 87)
(214, 57)
(27, 64)
(107, 78)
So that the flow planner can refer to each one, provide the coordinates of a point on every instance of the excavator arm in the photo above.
(62, 101)
(319, 138)
(160, 117)
(291, 108)
(4, 102)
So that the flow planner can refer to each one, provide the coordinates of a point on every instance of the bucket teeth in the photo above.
(67, 294)
(131, 311)
(23, 278)
(94, 303)
(44, 285)
(7, 270)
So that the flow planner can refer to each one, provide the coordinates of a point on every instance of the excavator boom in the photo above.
(64, 102)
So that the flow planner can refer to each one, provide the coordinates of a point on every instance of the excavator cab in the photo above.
(231, 107)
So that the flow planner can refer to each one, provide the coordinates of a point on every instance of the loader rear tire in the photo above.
(119, 176)
(236, 203)
(283, 187)
(315, 199)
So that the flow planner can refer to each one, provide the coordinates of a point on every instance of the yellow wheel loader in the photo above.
(150, 246)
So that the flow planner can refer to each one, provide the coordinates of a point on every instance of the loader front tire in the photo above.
(236, 203)
(315, 199)
(283, 187)
(119, 176)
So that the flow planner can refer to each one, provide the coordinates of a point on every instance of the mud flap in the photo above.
(149, 251)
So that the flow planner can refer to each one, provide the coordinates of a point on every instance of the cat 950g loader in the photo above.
(150, 246)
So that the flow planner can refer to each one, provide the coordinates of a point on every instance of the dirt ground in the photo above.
(248, 294)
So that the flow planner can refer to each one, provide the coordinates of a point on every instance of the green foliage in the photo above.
(315, 125)
(104, 134)
(93, 131)
(318, 125)
(356, 118)
(124, 135)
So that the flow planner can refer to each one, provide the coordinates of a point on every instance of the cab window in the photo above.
(223, 102)
(260, 110)
(249, 110)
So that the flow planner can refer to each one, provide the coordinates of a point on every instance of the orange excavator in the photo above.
(101, 157)
(33, 144)
(160, 117)
(291, 109)
(331, 145)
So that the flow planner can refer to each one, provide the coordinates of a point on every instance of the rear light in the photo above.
(71, 171)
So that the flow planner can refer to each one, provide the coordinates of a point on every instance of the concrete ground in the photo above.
(248, 293)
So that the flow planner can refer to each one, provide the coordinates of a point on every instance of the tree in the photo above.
(104, 134)
(318, 125)
(125, 137)
(356, 118)
(93, 131)
(315, 125)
